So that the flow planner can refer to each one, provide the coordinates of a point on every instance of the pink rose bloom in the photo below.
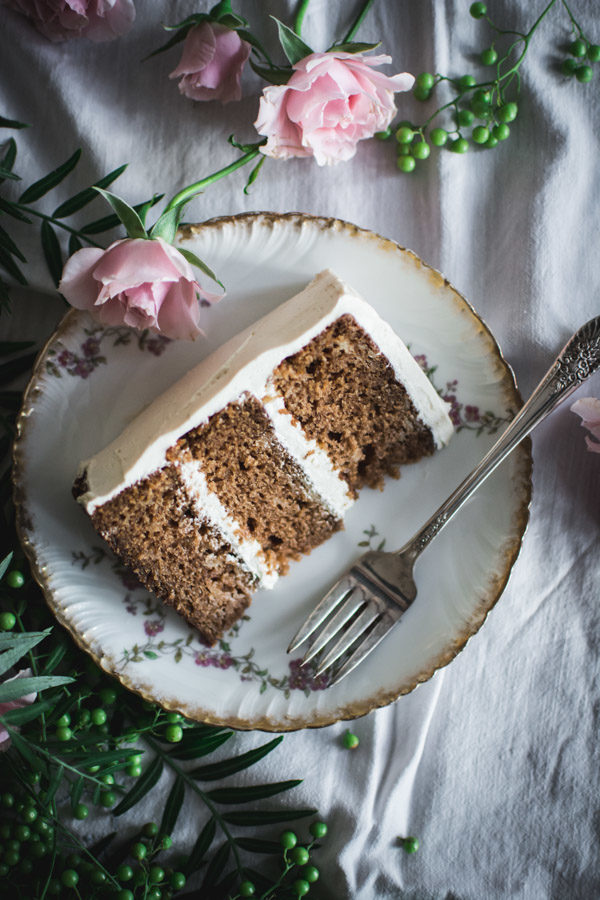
(589, 410)
(58, 20)
(212, 62)
(332, 101)
(136, 282)
(7, 705)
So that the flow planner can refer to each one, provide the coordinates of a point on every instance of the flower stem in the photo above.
(185, 195)
(358, 21)
(57, 222)
(300, 16)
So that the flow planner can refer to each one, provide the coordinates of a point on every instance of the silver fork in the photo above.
(364, 605)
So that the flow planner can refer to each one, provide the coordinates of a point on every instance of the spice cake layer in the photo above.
(261, 449)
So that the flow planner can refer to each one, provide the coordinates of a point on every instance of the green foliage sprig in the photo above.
(483, 107)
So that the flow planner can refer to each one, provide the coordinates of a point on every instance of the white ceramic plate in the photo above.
(88, 383)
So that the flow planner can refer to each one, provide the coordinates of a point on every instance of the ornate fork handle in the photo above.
(578, 359)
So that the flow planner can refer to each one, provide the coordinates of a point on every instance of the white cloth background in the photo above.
(494, 763)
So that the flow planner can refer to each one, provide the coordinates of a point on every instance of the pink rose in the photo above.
(136, 282)
(58, 20)
(332, 101)
(212, 62)
(589, 410)
(7, 705)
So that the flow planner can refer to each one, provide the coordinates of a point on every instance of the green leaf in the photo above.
(255, 792)
(194, 747)
(55, 780)
(145, 783)
(86, 196)
(16, 645)
(173, 806)
(22, 747)
(257, 845)
(233, 21)
(254, 174)
(25, 714)
(8, 160)
(166, 226)
(274, 74)
(126, 214)
(52, 252)
(12, 690)
(143, 208)
(11, 210)
(6, 173)
(227, 767)
(74, 244)
(106, 223)
(353, 47)
(11, 267)
(181, 32)
(77, 791)
(113, 759)
(100, 846)
(6, 561)
(200, 848)
(196, 261)
(45, 184)
(12, 123)
(215, 867)
(251, 818)
(15, 367)
(7, 242)
(292, 45)
(55, 657)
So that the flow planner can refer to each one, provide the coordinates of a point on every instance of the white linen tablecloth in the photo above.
(495, 762)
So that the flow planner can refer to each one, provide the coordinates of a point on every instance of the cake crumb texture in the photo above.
(175, 553)
(343, 392)
(258, 482)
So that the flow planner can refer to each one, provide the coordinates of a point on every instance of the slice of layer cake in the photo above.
(252, 459)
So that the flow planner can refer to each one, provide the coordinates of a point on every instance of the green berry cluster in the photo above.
(582, 56)
(298, 872)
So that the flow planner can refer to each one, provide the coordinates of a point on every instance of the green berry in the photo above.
(174, 718)
(584, 74)
(466, 81)
(578, 48)
(84, 717)
(135, 760)
(150, 829)
(154, 894)
(69, 878)
(133, 771)
(124, 872)
(383, 135)
(38, 849)
(300, 887)
(460, 145)
(166, 842)
(318, 829)
(350, 740)
(54, 887)
(173, 733)
(310, 874)
(507, 113)
(288, 840)
(465, 117)
(139, 851)
(98, 716)
(156, 874)
(63, 734)
(15, 579)
(22, 832)
(420, 93)
(98, 877)
(410, 844)
(178, 880)
(480, 110)
(593, 53)
(93, 769)
(478, 10)
(7, 621)
(421, 150)
(108, 799)
(438, 137)
(26, 866)
(300, 856)
(64, 721)
(11, 857)
(404, 134)
(124, 894)
(501, 131)
(425, 80)
(480, 134)
(489, 57)
(247, 889)
(406, 163)
(108, 696)
(568, 66)
(8, 800)
(81, 811)
(4, 870)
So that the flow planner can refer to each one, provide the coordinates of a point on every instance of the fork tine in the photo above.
(375, 636)
(323, 609)
(353, 602)
(369, 615)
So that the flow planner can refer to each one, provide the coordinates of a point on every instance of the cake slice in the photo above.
(252, 458)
